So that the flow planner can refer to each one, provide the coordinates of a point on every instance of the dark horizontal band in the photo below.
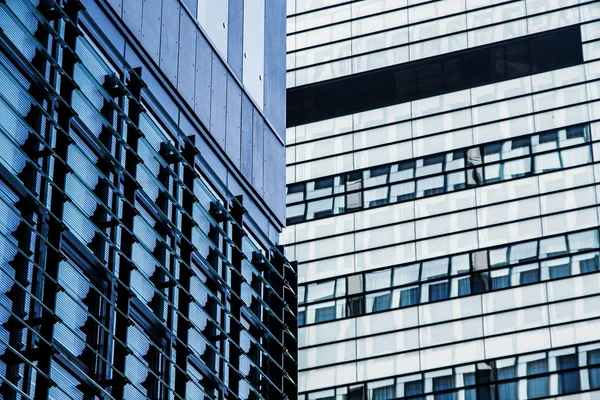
(433, 76)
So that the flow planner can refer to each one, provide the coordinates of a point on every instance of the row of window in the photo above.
(532, 376)
(460, 275)
(440, 173)
(374, 33)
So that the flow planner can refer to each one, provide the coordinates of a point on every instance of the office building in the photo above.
(141, 200)
(442, 198)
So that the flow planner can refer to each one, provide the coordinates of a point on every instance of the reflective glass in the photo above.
(537, 386)
(568, 381)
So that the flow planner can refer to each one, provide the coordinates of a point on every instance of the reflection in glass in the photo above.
(507, 390)
(413, 388)
(444, 383)
(537, 386)
(568, 381)
(593, 360)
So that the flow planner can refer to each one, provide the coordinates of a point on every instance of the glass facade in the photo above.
(443, 193)
(129, 267)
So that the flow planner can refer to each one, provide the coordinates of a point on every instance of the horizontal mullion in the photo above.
(475, 229)
(450, 277)
(476, 207)
(465, 168)
(462, 341)
(472, 29)
(456, 366)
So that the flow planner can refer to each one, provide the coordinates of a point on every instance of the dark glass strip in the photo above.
(434, 76)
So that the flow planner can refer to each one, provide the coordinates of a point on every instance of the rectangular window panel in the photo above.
(568, 381)
(537, 386)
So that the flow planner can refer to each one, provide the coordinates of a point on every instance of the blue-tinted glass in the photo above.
(530, 276)
(469, 380)
(438, 291)
(409, 297)
(507, 390)
(413, 388)
(464, 286)
(589, 265)
(559, 271)
(383, 393)
(500, 282)
(538, 386)
(325, 314)
(568, 382)
(444, 383)
(383, 302)
(301, 318)
(594, 369)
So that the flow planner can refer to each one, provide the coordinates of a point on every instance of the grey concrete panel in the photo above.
(235, 37)
(258, 152)
(169, 39)
(187, 57)
(204, 55)
(274, 173)
(192, 5)
(117, 5)
(218, 100)
(275, 94)
(234, 121)
(132, 16)
(246, 145)
(151, 27)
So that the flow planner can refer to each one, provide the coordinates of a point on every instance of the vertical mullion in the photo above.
(56, 226)
(130, 187)
(237, 212)
(185, 272)
(23, 233)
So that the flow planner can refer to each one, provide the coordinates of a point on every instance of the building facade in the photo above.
(442, 198)
(141, 200)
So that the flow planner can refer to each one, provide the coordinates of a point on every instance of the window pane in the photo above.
(507, 390)
(568, 382)
(413, 388)
(409, 297)
(320, 291)
(538, 386)
(378, 280)
(594, 371)
(406, 274)
(444, 383)
(438, 291)
(379, 301)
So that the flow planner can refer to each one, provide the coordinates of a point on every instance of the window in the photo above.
(379, 302)
(444, 383)
(500, 279)
(537, 386)
(529, 276)
(413, 388)
(382, 390)
(593, 361)
(507, 390)
(591, 264)
(439, 291)
(325, 314)
(469, 380)
(568, 381)
(409, 297)
(559, 270)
